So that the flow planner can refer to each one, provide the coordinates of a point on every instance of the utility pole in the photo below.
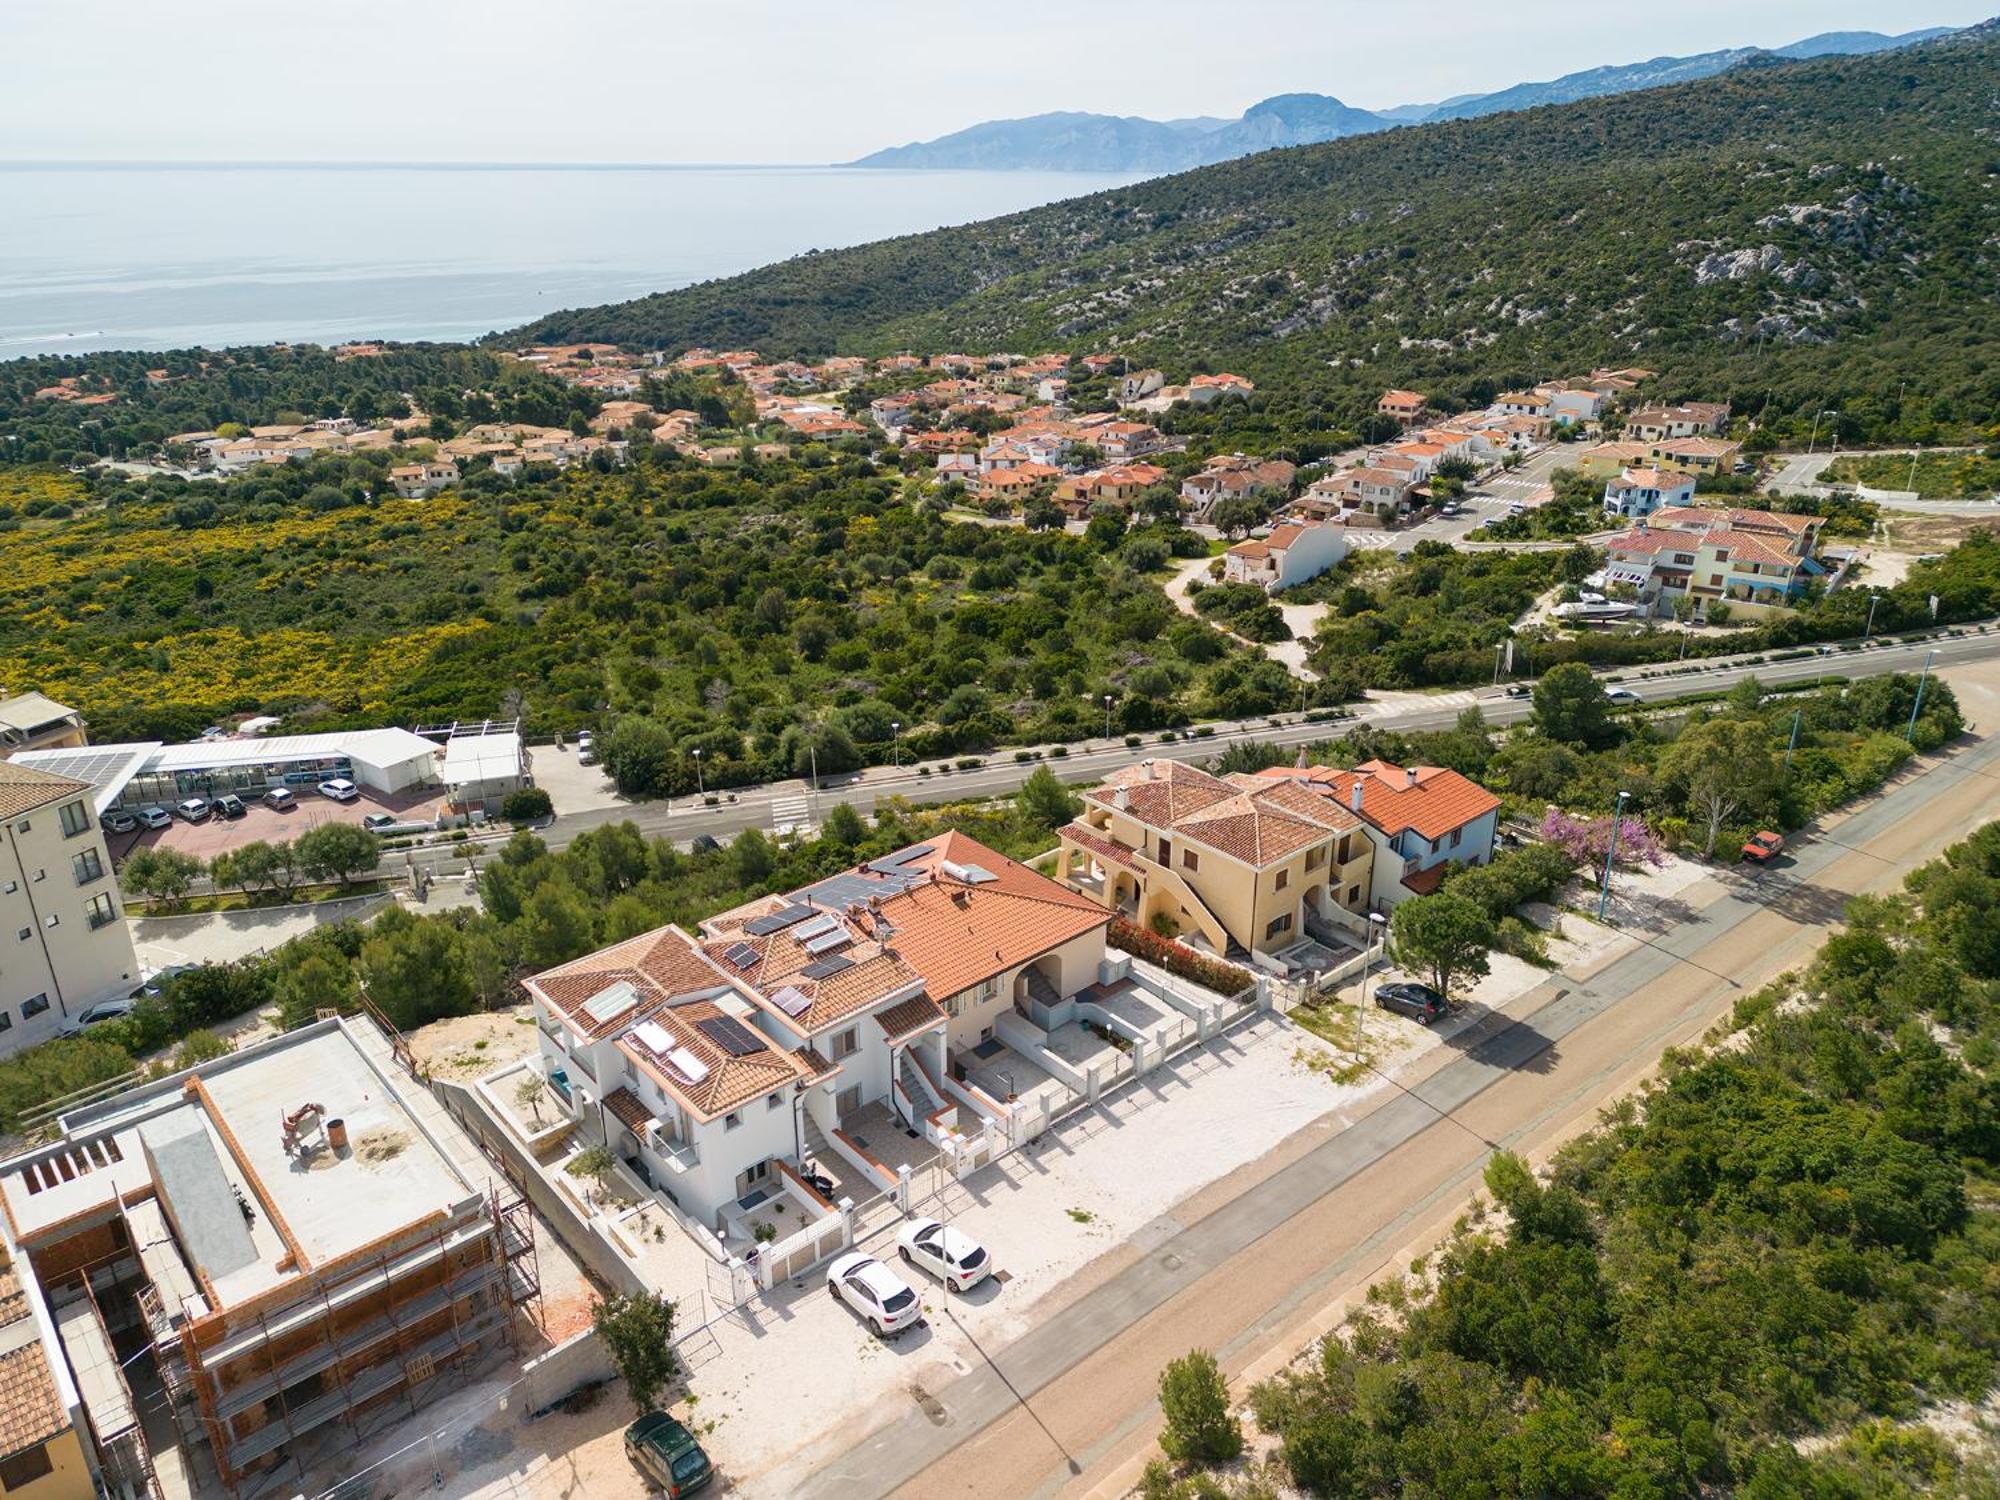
(1610, 853)
(1793, 743)
(1923, 680)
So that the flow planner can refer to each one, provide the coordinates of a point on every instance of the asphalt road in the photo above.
(792, 802)
(1246, 1268)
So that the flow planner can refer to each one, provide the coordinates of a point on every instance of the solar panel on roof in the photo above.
(817, 927)
(790, 1001)
(731, 1036)
(742, 955)
(826, 942)
(776, 921)
(892, 862)
(826, 968)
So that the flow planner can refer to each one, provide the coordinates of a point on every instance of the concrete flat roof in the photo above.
(196, 1149)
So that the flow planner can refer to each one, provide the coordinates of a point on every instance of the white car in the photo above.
(340, 789)
(280, 799)
(194, 809)
(156, 817)
(957, 1260)
(1622, 697)
(871, 1289)
(104, 1010)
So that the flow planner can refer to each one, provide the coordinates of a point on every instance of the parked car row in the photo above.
(883, 1299)
(229, 805)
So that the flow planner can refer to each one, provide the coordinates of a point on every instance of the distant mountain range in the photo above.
(1075, 141)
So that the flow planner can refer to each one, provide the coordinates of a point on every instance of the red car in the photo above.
(1763, 845)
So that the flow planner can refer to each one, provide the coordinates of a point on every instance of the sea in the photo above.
(151, 256)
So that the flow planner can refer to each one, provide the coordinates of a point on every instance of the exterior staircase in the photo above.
(1040, 990)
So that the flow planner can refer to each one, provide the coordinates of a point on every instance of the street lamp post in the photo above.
(1873, 600)
(700, 786)
(1499, 656)
(1107, 716)
(1916, 708)
(896, 747)
(1610, 853)
(1813, 441)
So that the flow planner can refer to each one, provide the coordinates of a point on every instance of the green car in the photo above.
(667, 1454)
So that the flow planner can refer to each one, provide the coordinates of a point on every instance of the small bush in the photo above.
(1210, 973)
(526, 805)
(1056, 752)
(1194, 1400)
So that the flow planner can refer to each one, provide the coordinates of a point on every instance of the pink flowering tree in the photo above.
(1586, 840)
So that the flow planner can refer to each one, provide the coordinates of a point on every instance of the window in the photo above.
(1454, 836)
(1284, 879)
(87, 867)
(39, 876)
(74, 819)
(1190, 860)
(23, 826)
(32, 1008)
(1277, 925)
(52, 920)
(1353, 894)
(846, 1043)
(773, 1101)
(10, 887)
(101, 911)
(1346, 847)
(25, 1468)
(6, 1021)
(25, 933)
(732, 1120)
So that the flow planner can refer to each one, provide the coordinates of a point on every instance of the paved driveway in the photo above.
(215, 835)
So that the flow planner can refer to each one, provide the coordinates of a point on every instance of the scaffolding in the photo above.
(415, 1312)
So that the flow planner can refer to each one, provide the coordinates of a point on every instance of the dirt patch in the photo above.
(472, 1046)
(382, 1145)
(1920, 534)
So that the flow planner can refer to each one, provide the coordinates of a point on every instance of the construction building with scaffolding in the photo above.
(258, 1263)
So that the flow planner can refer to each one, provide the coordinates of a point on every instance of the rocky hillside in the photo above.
(1815, 227)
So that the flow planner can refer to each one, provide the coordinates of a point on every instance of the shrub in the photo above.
(1210, 973)
(1194, 1400)
(526, 805)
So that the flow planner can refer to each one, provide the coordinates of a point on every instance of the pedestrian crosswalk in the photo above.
(791, 814)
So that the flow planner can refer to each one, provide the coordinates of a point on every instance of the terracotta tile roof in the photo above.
(628, 1109)
(1423, 882)
(1243, 817)
(23, 789)
(1649, 542)
(30, 1410)
(1102, 845)
(1754, 520)
(729, 1081)
(660, 965)
(1439, 801)
(958, 934)
(780, 960)
(1160, 793)
(908, 1017)
(1746, 546)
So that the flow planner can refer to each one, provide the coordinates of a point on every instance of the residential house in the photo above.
(1604, 460)
(1122, 439)
(44, 1449)
(1760, 558)
(419, 481)
(1420, 818)
(1139, 384)
(1697, 455)
(964, 467)
(1018, 482)
(1570, 405)
(1236, 474)
(1118, 484)
(30, 721)
(1640, 492)
(1522, 404)
(1656, 424)
(1204, 389)
(1290, 555)
(62, 927)
(1407, 407)
(1228, 862)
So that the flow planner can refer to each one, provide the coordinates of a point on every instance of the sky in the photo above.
(757, 81)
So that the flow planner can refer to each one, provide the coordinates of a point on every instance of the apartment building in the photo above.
(1638, 492)
(791, 1027)
(289, 1249)
(1755, 557)
(63, 943)
(1419, 818)
(30, 721)
(1228, 862)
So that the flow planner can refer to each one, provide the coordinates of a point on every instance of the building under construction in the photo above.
(263, 1260)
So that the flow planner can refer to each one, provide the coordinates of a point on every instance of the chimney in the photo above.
(1410, 776)
(1148, 764)
(1121, 797)
(1354, 797)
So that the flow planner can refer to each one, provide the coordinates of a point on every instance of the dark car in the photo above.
(667, 1454)
(229, 805)
(1419, 1002)
(1520, 690)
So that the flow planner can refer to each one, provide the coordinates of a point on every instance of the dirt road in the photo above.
(1252, 1267)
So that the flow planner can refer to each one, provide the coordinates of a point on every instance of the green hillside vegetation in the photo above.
(1791, 1237)
(746, 612)
(1939, 476)
(1463, 257)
